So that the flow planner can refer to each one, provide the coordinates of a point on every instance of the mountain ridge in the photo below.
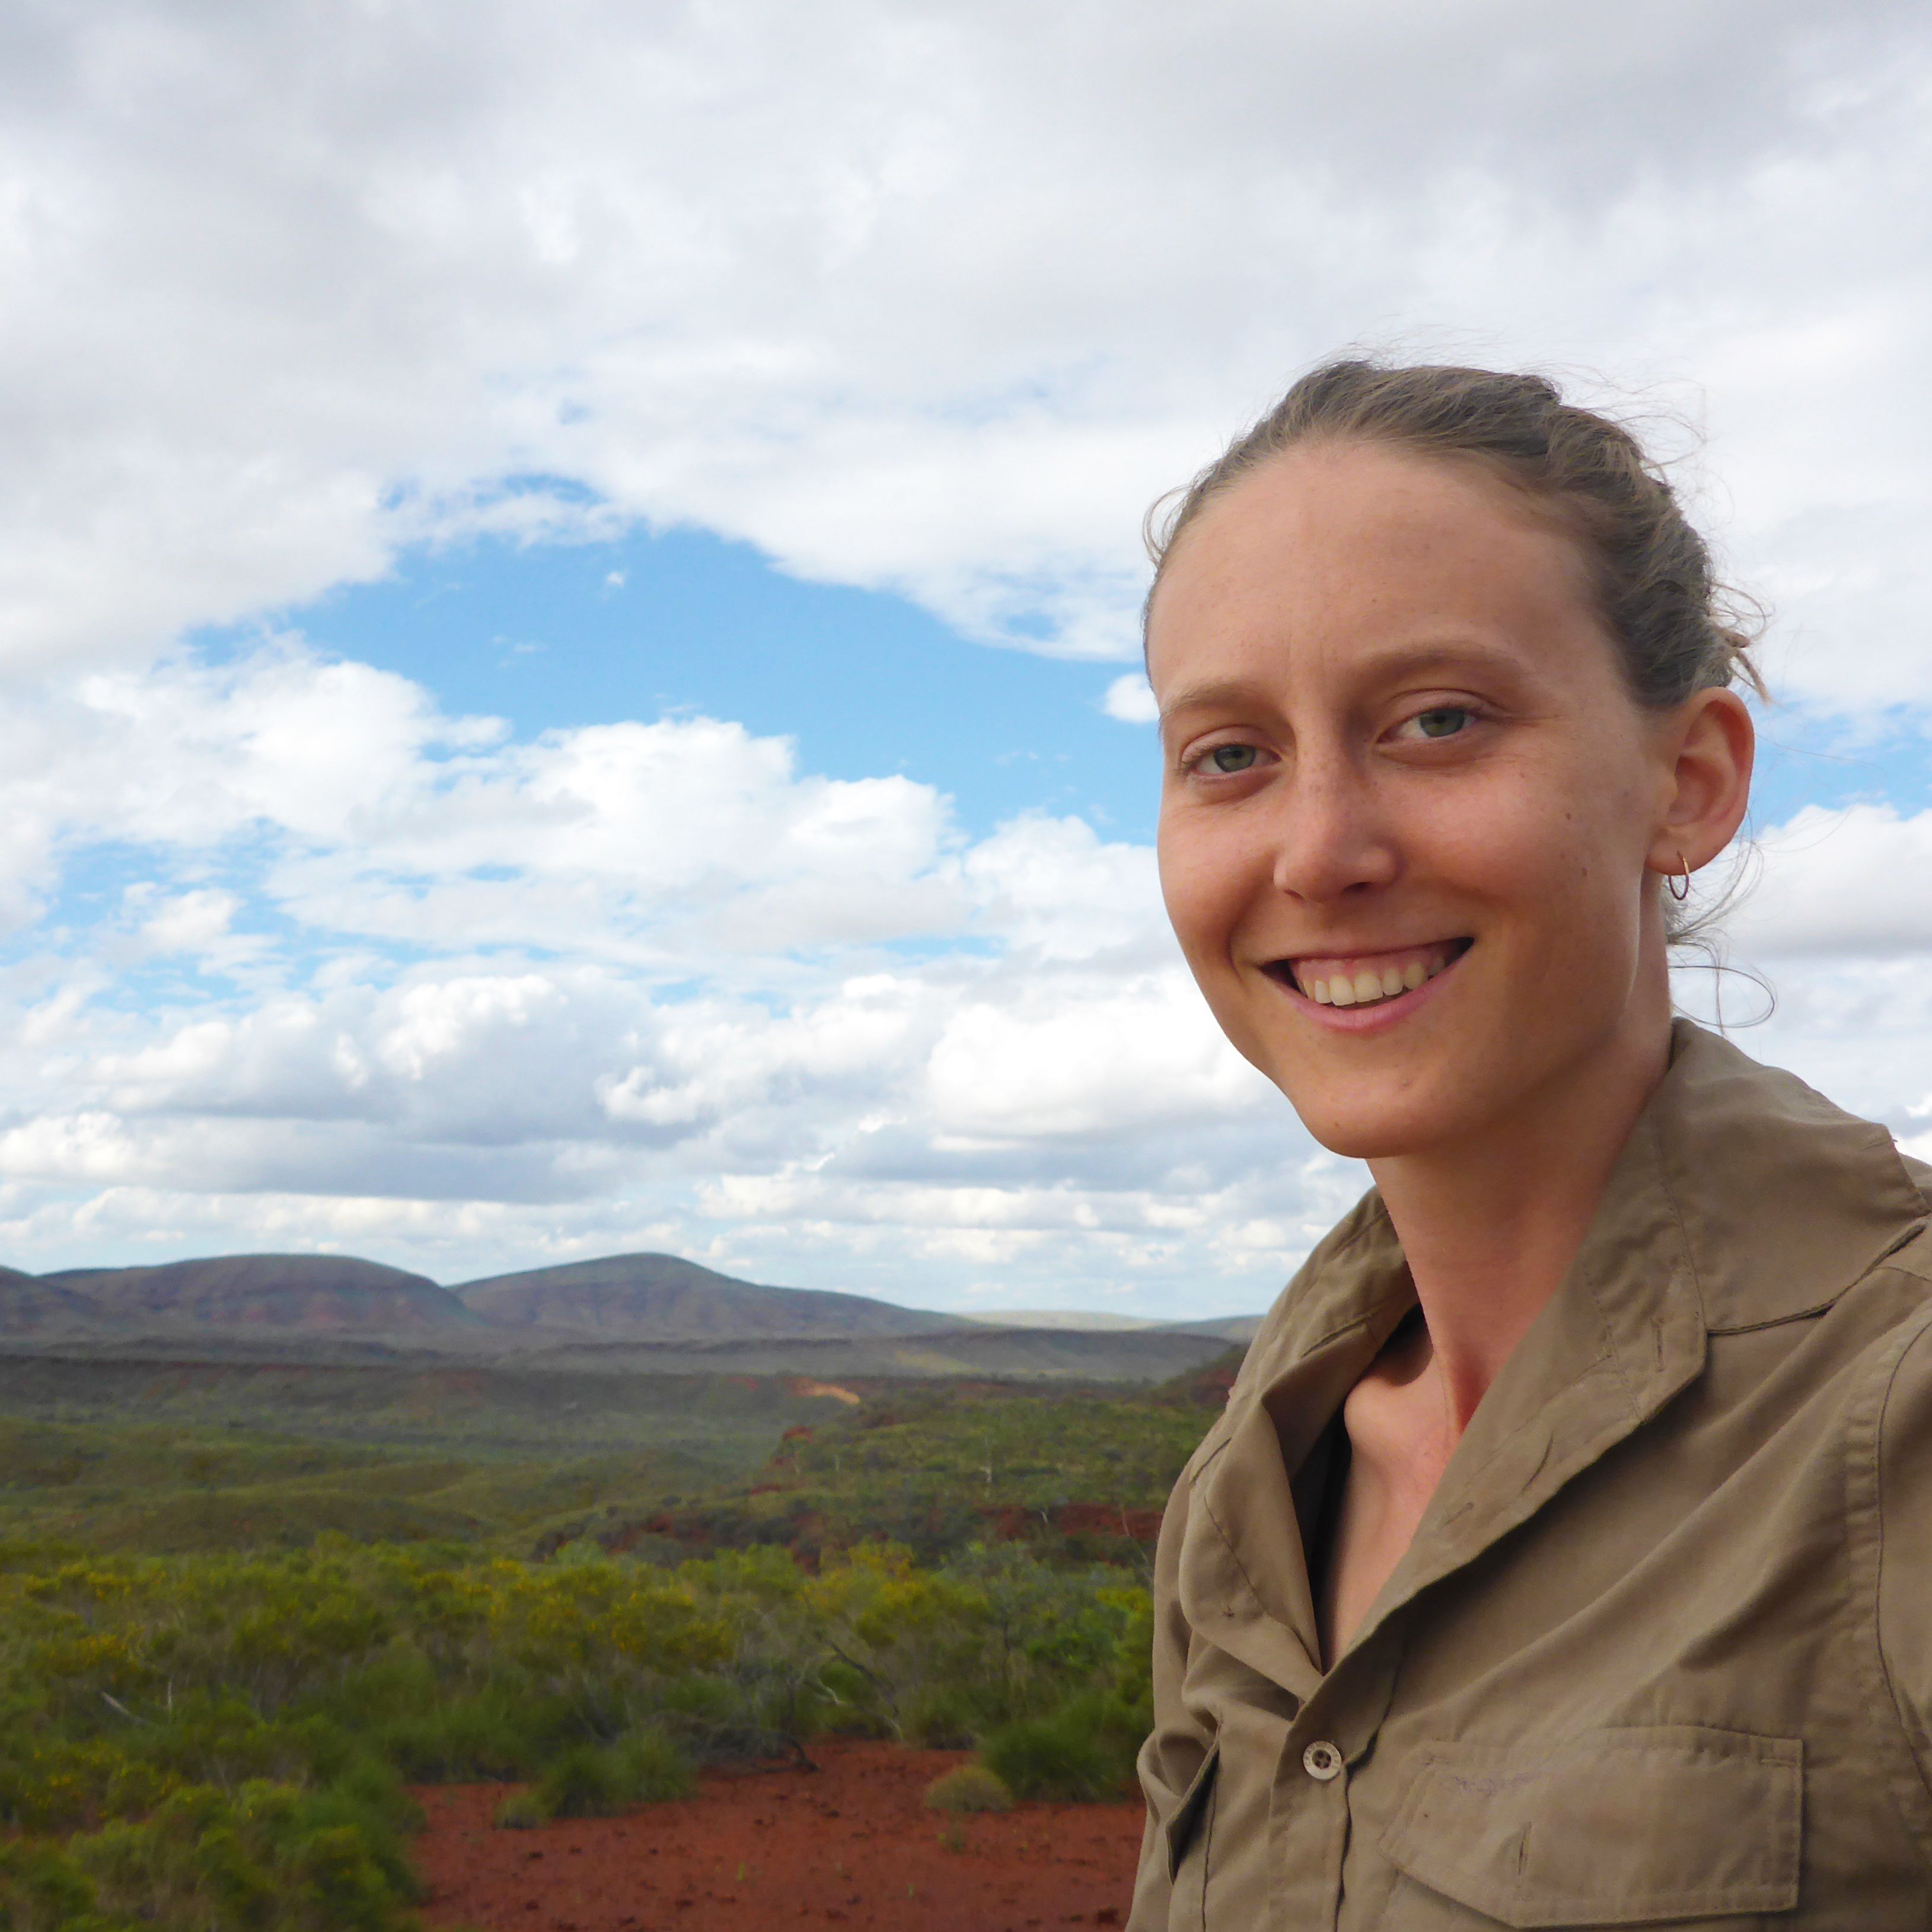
(664, 1298)
(638, 1312)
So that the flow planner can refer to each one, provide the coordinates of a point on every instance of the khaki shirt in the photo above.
(1660, 1653)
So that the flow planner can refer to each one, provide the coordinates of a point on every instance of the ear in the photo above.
(1708, 747)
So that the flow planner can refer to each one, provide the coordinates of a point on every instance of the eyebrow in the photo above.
(1394, 660)
(1225, 691)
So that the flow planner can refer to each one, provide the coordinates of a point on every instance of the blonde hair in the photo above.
(1677, 628)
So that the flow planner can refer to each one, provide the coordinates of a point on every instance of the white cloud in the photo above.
(619, 977)
(388, 821)
(1120, 1059)
(191, 922)
(1856, 882)
(933, 299)
(1130, 698)
(1051, 886)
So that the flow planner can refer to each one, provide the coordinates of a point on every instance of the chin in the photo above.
(1372, 1126)
(1358, 1136)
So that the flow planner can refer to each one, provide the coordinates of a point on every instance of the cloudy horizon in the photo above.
(568, 590)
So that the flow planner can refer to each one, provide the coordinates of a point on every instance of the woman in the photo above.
(1561, 1558)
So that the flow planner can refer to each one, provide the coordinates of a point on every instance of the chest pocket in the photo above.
(1193, 1815)
(1188, 1830)
(1647, 1825)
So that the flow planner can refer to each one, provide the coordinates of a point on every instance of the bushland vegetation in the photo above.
(1080, 1477)
(216, 1730)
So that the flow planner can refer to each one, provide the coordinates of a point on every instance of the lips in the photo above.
(1365, 978)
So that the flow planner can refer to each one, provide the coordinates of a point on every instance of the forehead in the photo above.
(1335, 549)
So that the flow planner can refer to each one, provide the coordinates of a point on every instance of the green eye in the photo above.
(1228, 759)
(1444, 722)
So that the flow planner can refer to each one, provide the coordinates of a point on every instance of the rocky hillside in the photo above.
(661, 1298)
(317, 1295)
(648, 1314)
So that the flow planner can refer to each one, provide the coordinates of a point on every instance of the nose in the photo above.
(1330, 841)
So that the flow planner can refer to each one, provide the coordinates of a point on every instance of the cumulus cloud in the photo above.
(383, 818)
(1839, 883)
(187, 921)
(1131, 1058)
(931, 299)
(621, 978)
(1130, 698)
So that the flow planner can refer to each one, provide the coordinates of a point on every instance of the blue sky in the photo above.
(650, 626)
(566, 586)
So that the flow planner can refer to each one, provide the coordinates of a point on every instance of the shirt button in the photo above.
(1321, 1762)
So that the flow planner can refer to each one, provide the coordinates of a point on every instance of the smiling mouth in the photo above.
(1366, 979)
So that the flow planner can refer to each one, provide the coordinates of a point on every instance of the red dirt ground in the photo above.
(849, 1844)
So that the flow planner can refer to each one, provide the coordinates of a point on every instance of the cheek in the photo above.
(1565, 860)
(1182, 885)
(1202, 885)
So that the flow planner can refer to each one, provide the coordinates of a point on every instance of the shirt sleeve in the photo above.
(1903, 1469)
(1177, 1746)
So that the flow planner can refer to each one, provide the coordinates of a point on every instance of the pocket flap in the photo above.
(1620, 1827)
(1185, 1818)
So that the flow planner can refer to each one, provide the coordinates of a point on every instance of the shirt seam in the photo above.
(1865, 1450)
(1890, 1258)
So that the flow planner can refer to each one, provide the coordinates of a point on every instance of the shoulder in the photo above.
(1783, 1199)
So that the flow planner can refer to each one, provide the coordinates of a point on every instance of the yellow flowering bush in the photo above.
(220, 1741)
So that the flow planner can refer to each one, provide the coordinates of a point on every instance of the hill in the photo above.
(1241, 1328)
(309, 1294)
(651, 1314)
(652, 1297)
(31, 1307)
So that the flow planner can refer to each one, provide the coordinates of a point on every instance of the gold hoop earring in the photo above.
(1670, 880)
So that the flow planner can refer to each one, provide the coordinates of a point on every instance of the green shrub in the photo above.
(368, 1799)
(520, 1811)
(971, 1787)
(704, 1703)
(497, 1731)
(580, 1782)
(598, 1781)
(1081, 1752)
(223, 1740)
(942, 1717)
(42, 1890)
(651, 1769)
(266, 1860)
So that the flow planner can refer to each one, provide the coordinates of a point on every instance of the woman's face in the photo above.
(1409, 802)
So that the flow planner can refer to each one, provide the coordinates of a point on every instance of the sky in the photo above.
(569, 588)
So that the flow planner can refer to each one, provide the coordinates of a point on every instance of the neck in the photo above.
(1490, 1226)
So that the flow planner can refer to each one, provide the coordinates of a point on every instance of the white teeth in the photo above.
(1371, 984)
